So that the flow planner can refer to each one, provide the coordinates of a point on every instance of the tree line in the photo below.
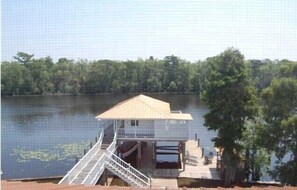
(27, 76)
(252, 103)
(30, 76)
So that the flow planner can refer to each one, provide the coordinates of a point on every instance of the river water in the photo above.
(41, 136)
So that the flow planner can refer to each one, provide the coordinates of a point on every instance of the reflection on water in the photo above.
(27, 119)
(42, 135)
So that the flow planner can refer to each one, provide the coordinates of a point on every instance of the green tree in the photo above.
(231, 100)
(262, 73)
(15, 79)
(66, 76)
(279, 109)
(197, 76)
(172, 87)
(183, 77)
(153, 75)
(23, 58)
(257, 159)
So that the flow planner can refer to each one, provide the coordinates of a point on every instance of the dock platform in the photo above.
(194, 167)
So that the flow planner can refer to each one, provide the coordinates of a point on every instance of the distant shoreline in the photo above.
(69, 94)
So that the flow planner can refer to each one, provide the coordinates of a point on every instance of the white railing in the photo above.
(99, 167)
(116, 161)
(118, 164)
(134, 132)
(72, 174)
(159, 133)
(108, 158)
(95, 172)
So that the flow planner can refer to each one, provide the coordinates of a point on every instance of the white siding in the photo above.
(142, 124)
(146, 124)
(160, 128)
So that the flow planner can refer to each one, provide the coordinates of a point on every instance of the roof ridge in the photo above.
(152, 106)
(121, 103)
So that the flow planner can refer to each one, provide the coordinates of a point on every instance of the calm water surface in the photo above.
(41, 135)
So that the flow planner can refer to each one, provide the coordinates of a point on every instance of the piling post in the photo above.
(202, 153)
(195, 136)
(184, 155)
(198, 142)
(91, 144)
(154, 152)
(139, 154)
(106, 177)
(84, 151)
(96, 139)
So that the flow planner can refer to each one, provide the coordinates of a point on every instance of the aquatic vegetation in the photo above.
(60, 152)
(72, 150)
(27, 155)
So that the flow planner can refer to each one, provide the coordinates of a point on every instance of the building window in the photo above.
(134, 122)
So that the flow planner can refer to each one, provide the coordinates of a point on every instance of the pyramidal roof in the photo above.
(142, 107)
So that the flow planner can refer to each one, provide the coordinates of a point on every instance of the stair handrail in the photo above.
(127, 167)
(112, 146)
(96, 169)
(99, 166)
(119, 172)
(79, 165)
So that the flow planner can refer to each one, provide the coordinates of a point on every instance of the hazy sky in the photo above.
(121, 30)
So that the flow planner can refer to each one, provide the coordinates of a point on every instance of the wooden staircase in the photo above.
(89, 169)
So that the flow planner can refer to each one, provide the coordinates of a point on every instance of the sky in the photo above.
(132, 29)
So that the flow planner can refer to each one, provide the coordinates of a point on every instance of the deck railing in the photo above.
(159, 133)
(134, 132)
(72, 174)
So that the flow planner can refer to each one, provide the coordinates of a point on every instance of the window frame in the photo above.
(134, 123)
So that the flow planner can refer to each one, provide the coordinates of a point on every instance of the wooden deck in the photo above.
(194, 168)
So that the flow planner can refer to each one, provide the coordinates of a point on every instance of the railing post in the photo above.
(68, 178)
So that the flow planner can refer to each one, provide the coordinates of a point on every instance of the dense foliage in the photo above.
(27, 75)
(231, 99)
(280, 115)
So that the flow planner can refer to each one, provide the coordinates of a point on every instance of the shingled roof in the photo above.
(143, 107)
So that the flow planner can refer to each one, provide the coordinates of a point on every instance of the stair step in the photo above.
(113, 166)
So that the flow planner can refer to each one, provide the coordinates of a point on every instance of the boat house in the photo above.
(142, 120)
